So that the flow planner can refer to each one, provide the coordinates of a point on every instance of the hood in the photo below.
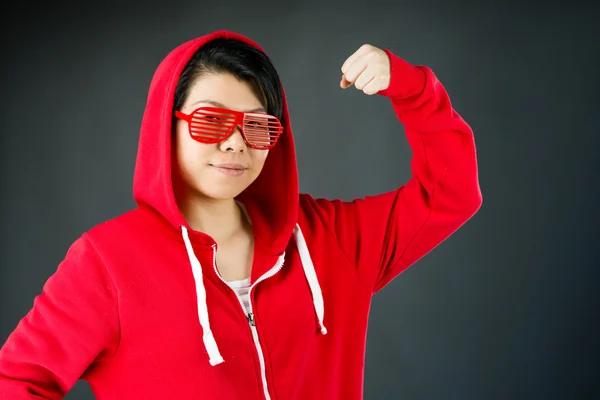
(273, 208)
(271, 201)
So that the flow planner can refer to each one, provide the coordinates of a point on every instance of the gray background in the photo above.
(504, 309)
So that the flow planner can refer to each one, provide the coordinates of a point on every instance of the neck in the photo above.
(220, 219)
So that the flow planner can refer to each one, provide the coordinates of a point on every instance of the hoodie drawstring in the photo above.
(311, 277)
(309, 272)
(208, 337)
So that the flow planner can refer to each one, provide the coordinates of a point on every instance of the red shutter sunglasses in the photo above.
(213, 125)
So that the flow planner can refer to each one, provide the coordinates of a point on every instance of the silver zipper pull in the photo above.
(251, 319)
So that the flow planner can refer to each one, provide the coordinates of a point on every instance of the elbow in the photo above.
(459, 201)
(475, 202)
(470, 202)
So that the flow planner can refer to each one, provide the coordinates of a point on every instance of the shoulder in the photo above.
(118, 231)
(311, 206)
(88, 253)
(316, 211)
(116, 225)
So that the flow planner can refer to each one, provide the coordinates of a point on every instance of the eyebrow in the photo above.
(221, 105)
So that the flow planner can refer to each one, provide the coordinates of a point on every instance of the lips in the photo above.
(232, 166)
(230, 169)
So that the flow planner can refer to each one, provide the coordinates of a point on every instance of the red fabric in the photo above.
(121, 309)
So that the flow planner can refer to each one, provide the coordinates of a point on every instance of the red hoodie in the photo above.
(138, 308)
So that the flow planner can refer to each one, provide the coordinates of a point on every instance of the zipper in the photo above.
(250, 315)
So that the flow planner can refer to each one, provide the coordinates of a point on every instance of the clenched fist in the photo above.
(368, 69)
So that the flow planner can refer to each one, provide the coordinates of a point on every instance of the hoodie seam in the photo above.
(114, 287)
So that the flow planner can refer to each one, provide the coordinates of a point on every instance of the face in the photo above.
(217, 171)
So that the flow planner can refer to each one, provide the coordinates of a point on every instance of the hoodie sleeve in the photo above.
(73, 324)
(383, 235)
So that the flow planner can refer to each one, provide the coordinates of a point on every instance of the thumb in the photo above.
(344, 83)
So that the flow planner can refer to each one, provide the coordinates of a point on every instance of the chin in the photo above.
(221, 192)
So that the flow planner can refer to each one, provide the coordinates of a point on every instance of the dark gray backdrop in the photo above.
(504, 309)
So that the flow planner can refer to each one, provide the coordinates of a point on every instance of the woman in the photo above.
(225, 282)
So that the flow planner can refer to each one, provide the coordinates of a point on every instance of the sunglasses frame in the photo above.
(239, 116)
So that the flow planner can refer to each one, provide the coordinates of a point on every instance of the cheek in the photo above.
(190, 155)
(258, 160)
(182, 149)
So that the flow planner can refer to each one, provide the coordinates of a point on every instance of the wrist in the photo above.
(406, 80)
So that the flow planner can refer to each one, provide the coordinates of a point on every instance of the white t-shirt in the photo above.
(241, 288)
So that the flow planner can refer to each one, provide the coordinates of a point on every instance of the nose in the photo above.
(234, 143)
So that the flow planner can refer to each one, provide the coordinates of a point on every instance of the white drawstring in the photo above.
(311, 277)
(209, 340)
(309, 272)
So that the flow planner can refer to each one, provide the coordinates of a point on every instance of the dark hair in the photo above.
(243, 61)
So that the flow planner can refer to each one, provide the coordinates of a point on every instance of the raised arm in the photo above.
(383, 235)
